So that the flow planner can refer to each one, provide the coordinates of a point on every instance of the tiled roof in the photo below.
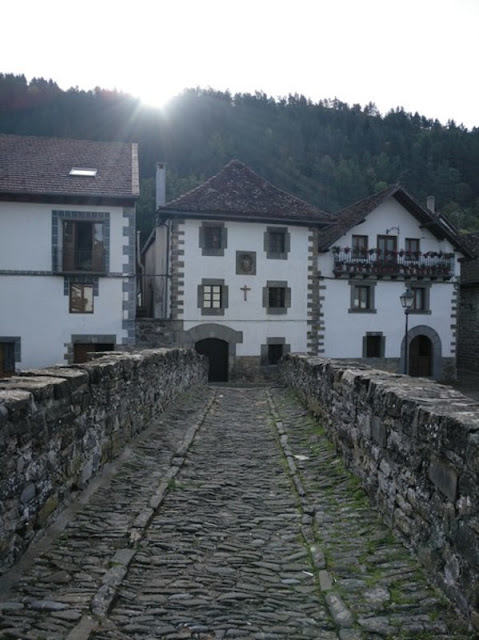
(471, 241)
(35, 166)
(237, 192)
(357, 212)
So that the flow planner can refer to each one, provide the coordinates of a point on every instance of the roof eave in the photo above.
(72, 198)
(165, 213)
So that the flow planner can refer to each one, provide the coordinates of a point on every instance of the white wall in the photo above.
(33, 306)
(344, 331)
(249, 316)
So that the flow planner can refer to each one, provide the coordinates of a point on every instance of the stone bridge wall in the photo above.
(414, 445)
(59, 426)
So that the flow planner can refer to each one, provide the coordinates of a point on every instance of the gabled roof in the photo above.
(351, 216)
(238, 193)
(39, 168)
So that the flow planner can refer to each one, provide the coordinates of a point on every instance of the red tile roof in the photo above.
(39, 167)
(236, 192)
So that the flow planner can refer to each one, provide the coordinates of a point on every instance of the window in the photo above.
(387, 246)
(83, 172)
(213, 238)
(276, 297)
(373, 345)
(360, 246)
(412, 248)
(212, 297)
(277, 243)
(7, 358)
(83, 246)
(421, 300)
(362, 297)
(81, 298)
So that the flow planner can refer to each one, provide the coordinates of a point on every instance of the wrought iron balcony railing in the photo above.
(432, 264)
(83, 261)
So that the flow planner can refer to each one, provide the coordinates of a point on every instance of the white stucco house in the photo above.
(376, 249)
(233, 264)
(67, 249)
(246, 273)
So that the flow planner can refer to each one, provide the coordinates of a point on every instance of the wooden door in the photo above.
(420, 357)
(82, 349)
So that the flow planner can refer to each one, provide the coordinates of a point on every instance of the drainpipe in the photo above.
(160, 184)
(140, 270)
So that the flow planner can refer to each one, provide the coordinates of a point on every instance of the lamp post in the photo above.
(407, 301)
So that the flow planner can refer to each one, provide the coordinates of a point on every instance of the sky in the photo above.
(422, 55)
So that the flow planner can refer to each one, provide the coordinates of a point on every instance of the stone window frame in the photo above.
(80, 279)
(208, 311)
(60, 216)
(277, 255)
(427, 299)
(372, 301)
(382, 346)
(264, 350)
(16, 342)
(283, 284)
(239, 270)
(206, 251)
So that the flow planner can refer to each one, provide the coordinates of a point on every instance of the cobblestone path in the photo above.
(231, 518)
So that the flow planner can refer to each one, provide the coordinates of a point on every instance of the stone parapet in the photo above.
(414, 445)
(59, 426)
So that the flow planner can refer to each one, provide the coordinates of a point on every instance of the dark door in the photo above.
(81, 350)
(7, 359)
(217, 353)
(420, 356)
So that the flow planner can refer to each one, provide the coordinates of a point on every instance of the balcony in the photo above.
(81, 261)
(434, 265)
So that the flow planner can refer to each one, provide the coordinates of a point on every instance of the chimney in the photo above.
(431, 204)
(160, 184)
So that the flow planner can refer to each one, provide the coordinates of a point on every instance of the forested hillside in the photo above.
(329, 153)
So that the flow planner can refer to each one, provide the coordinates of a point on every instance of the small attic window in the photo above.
(83, 171)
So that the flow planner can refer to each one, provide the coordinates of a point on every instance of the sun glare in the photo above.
(156, 97)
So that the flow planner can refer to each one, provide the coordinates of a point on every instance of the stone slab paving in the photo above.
(231, 518)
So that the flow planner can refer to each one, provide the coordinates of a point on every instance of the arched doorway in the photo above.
(216, 351)
(420, 356)
(421, 349)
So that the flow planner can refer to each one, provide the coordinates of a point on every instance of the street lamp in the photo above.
(407, 301)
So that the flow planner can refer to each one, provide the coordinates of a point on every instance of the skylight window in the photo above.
(83, 171)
